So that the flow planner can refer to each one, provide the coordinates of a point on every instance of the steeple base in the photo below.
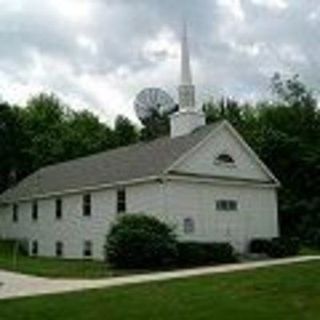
(185, 121)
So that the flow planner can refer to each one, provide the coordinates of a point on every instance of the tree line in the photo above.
(285, 133)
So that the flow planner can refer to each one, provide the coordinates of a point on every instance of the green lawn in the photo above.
(288, 292)
(52, 268)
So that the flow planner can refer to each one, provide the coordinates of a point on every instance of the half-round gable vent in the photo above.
(224, 158)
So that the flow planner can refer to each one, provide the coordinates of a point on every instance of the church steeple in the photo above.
(186, 78)
(186, 88)
(187, 118)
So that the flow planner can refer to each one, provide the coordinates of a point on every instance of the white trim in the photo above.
(193, 149)
(84, 189)
(221, 181)
(249, 150)
(252, 153)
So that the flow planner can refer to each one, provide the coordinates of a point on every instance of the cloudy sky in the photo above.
(98, 54)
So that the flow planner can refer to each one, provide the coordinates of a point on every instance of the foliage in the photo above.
(140, 241)
(259, 245)
(313, 238)
(276, 247)
(157, 124)
(199, 253)
(46, 131)
(283, 247)
(125, 132)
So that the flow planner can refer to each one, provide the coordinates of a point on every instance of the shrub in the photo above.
(259, 245)
(140, 241)
(199, 253)
(222, 252)
(313, 238)
(283, 247)
(192, 254)
(276, 247)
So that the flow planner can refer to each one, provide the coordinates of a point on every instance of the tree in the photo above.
(85, 134)
(125, 132)
(11, 142)
(156, 125)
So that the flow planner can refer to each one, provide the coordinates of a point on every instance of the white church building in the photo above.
(203, 180)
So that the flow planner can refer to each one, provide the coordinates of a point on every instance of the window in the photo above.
(15, 213)
(34, 210)
(87, 249)
(121, 201)
(59, 249)
(86, 205)
(224, 158)
(34, 248)
(227, 205)
(58, 209)
(188, 225)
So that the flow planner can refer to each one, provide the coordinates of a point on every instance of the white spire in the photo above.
(186, 78)
(187, 118)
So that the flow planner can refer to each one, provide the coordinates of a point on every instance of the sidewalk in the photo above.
(13, 285)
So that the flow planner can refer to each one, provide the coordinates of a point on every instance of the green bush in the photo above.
(199, 253)
(221, 252)
(192, 254)
(276, 247)
(283, 247)
(259, 245)
(313, 238)
(140, 241)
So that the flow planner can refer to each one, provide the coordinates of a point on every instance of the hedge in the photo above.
(199, 253)
(276, 247)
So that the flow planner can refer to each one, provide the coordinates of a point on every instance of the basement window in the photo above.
(59, 249)
(34, 248)
(87, 249)
(15, 213)
(226, 205)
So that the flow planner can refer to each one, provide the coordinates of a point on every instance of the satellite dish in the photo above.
(151, 99)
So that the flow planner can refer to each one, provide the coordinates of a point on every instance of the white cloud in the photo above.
(76, 11)
(87, 43)
(272, 4)
(99, 54)
(234, 8)
(164, 45)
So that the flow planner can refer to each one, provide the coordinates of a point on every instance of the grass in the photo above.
(306, 251)
(277, 293)
(53, 268)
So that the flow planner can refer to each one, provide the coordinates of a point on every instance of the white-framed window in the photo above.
(121, 200)
(87, 249)
(226, 205)
(224, 159)
(35, 210)
(86, 205)
(15, 213)
(188, 225)
(59, 209)
(34, 248)
(59, 249)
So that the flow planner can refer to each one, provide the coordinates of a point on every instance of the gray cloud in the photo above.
(98, 53)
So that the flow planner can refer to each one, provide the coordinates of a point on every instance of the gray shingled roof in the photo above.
(123, 164)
